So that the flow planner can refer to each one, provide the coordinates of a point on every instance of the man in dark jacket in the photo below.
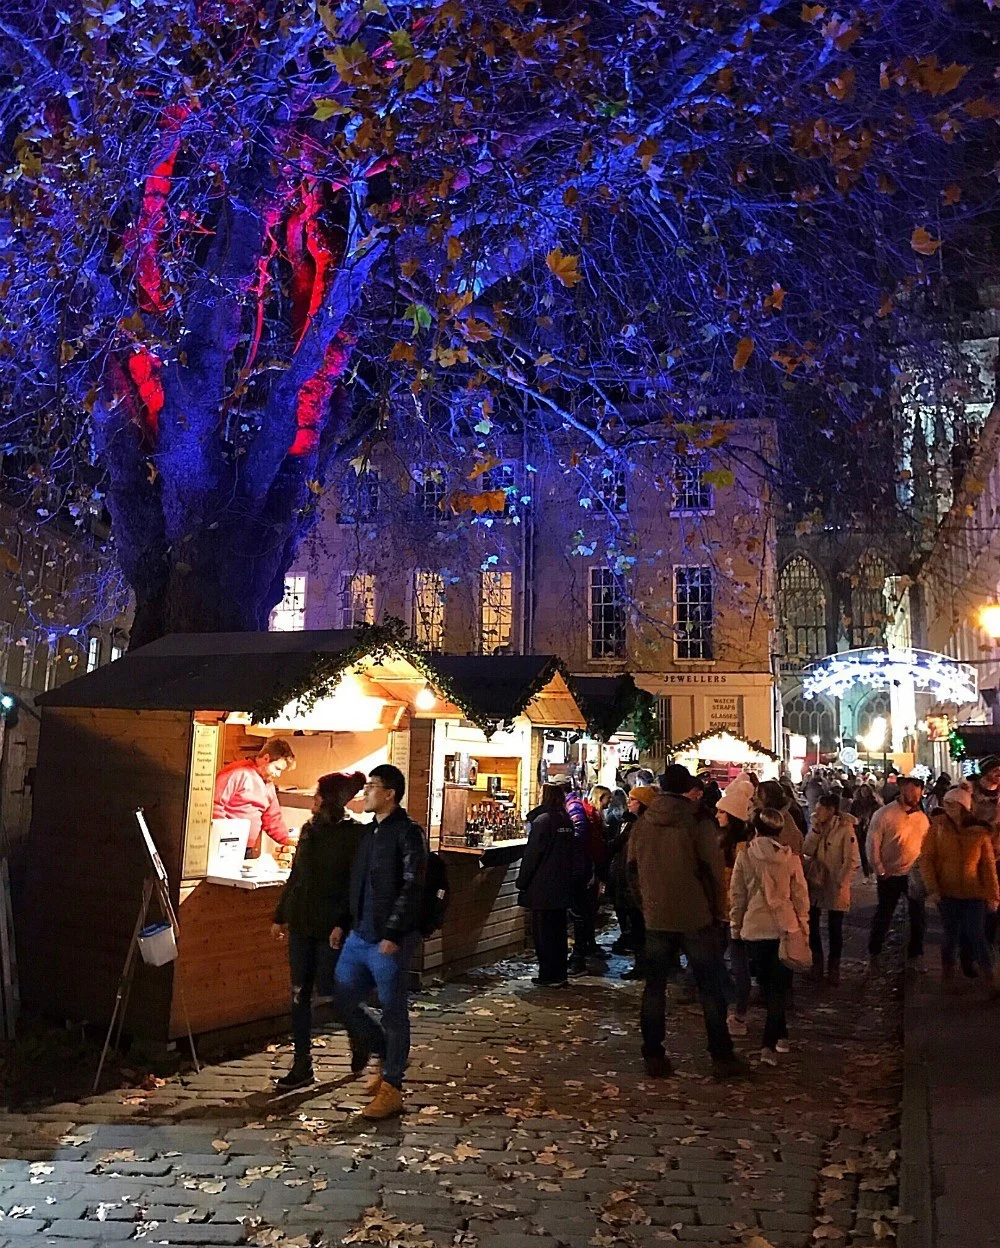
(676, 863)
(387, 882)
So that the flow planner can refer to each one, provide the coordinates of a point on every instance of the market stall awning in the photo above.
(723, 747)
(504, 686)
(262, 673)
(607, 701)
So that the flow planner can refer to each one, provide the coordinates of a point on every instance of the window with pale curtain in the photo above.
(868, 607)
(496, 611)
(357, 599)
(289, 616)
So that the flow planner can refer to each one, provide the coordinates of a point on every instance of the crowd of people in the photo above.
(719, 887)
(753, 882)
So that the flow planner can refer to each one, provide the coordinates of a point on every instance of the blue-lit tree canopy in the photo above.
(239, 242)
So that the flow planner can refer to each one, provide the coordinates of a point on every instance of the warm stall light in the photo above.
(989, 619)
(425, 699)
(348, 709)
(874, 738)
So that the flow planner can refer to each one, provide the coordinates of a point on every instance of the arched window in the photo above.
(876, 706)
(868, 609)
(802, 602)
(812, 718)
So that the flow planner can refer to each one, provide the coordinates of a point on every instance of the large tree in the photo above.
(238, 241)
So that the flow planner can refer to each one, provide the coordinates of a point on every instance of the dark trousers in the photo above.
(311, 962)
(863, 849)
(775, 979)
(835, 926)
(584, 914)
(703, 950)
(548, 934)
(964, 923)
(739, 969)
(890, 889)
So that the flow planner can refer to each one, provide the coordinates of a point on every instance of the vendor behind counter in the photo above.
(246, 790)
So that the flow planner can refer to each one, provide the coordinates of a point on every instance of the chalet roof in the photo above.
(261, 672)
(607, 701)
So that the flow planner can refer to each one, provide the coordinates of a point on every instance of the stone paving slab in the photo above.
(530, 1122)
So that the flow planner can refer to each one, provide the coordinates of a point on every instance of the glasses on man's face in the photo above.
(372, 785)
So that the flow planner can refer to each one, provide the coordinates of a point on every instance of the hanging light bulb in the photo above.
(425, 699)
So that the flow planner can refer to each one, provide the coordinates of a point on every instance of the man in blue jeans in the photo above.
(387, 880)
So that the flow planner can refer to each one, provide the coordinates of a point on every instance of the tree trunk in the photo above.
(222, 583)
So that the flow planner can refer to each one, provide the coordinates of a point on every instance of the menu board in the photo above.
(201, 796)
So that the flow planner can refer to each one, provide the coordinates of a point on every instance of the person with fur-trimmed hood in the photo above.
(958, 866)
(832, 857)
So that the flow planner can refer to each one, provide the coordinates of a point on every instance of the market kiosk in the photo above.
(153, 729)
(725, 755)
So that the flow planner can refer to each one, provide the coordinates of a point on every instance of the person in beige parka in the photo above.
(832, 858)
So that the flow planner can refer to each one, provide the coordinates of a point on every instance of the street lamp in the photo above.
(989, 620)
(874, 738)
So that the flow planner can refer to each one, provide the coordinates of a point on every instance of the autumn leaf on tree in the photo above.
(951, 194)
(484, 465)
(812, 12)
(775, 300)
(744, 350)
(403, 351)
(565, 268)
(351, 62)
(840, 88)
(842, 34)
(923, 243)
(475, 330)
(455, 247)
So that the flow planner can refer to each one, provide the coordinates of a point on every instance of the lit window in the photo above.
(27, 663)
(869, 615)
(431, 490)
(357, 599)
(693, 613)
(607, 615)
(289, 616)
(359, 504)
(428, 610)
(496, 611)
(93, 654)
(6, 649)
(116, 653)
(611, 487)
(691, 491)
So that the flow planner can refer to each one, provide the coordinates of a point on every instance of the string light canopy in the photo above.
(948, 679)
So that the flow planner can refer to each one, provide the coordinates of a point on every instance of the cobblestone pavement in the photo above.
(530, 1122)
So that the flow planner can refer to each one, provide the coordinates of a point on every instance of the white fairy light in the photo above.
(925, 669)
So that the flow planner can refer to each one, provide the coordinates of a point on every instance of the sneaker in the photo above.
(731, 1068)
(375, 1082)
(548, 983)
(782, 1046)
(737, 1024)
(576, 968)
(658, 1066)
(768, 1057)
(631, 973)
(300, 1076)
(386, 1103)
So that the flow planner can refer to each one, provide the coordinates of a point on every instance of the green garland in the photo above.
(956, 745)
(690, 745)
(379, 642)
(641, 721)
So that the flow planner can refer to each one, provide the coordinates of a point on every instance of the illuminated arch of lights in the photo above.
(948, 679)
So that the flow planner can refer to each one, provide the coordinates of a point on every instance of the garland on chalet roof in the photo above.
(690, 744)
(380, 642)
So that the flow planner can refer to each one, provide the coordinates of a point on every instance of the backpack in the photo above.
(437, 894)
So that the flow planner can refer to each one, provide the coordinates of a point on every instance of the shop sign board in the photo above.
(201, 797)
(725, 713)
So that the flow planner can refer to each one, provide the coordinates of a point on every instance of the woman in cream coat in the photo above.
(832, 857)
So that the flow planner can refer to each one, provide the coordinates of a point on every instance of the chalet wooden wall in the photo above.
(418, 794)
(484, 921)
(87, 863)
(230, 970)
